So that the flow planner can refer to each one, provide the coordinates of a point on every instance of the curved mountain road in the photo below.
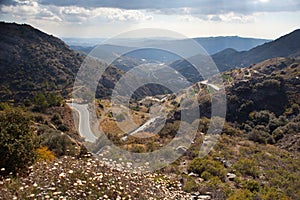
(84, 121)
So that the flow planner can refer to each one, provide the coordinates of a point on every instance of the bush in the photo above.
(261, 137)
(27, 102)
(60, 144)
(207, 168)
(18, 140)
(271, 83)
(275, 123)
(251, 185)
(40, 103)
(278, 133)
(262, 117)
(63, 127)
(246, 167)
(271, 194)
(4, 106)
(43, 153)
(137, 148)
(290, 128)
(54, 99)
(56, 119)
(190, 186)
(242, 195)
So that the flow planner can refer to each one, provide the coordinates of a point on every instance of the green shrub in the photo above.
(261, 137)
(56, 119)
(207, 168)
(190, 186)
(278, 133)
(40, 102)
(54, 99)
(206, 175)
(246, 167)
(18, 140)
(242, 194)
(27, 102)
(251, 185)
(271, 194)
(60, 144)
(262, 117)
(4, 106)
(63, 127)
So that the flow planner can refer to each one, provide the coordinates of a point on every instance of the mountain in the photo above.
(216, 44)
(211, 45)
(262, 101)
(32, 62)
(285, 46)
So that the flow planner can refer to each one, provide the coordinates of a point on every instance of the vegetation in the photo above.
(18, 140)
(207, 168)
(42, 157)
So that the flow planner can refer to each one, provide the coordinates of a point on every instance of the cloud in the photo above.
(79, 11)
(31, 9)
(203, 6)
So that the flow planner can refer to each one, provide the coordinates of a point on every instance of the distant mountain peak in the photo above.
(284, 46)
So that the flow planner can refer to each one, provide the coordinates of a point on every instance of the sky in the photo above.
(267, 19)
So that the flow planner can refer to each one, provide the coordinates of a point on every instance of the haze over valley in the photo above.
(149, 100)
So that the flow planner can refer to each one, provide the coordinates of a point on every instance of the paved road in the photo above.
(84, 125)
(84, 122)
(141, 128)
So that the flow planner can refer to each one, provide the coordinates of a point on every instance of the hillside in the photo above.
(43, 156)
(285, 46)
(261, 129)
(32, 62)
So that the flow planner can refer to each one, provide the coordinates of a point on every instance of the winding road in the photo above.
(84, 124)
(141, 128)
(84, 121)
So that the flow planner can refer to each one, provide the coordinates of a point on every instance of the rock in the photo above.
(193, 174)
(231, 176)
(181, 149)
(204, 197)
(227, 163)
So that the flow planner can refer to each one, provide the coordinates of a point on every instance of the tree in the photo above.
(17, 140)
(54, 99)
(40, 102)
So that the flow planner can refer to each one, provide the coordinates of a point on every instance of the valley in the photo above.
(64, 139)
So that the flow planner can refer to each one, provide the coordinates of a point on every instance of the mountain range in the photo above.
(285, 46)
(255, 157)
(210, 45)
(32, 61)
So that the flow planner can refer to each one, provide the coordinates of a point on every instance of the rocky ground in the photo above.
(89, 178)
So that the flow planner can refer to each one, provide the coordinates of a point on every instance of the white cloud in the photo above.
(33, 10)
(29, 10)
(234, 17)
(26, 7)
(115, 14)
